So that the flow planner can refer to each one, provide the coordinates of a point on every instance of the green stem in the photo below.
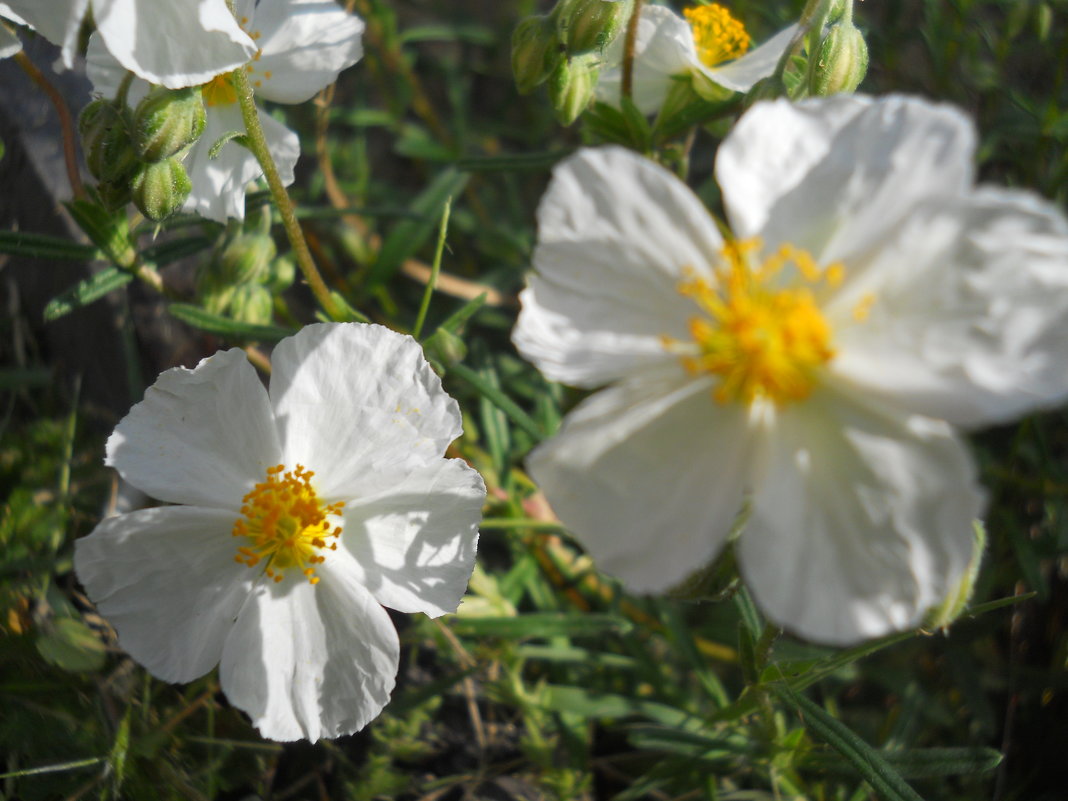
(257, 143)
(630, 39)
(435, 268)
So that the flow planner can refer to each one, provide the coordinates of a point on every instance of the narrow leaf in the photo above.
(42, 246)
(85, 292)
(541, 624)
(224, 326)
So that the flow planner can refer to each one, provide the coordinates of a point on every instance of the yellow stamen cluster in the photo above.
(764, 338)
(286, 524)
(718, 35)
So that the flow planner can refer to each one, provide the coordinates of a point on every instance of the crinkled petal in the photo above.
(166, 579)
(414, 540)
(175, 43)
(833, 175)
(305, 44)
(616, 235)
(861, 522)
(742, 74)
(219, 184)
(663, 48)
(355, 401)
(648, 476)
(201, 436)
(310, 661)
(966, 308)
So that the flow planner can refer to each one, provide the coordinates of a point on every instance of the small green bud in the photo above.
(571, 86)
(252, 303)
(841, 61)
(160, 189)
(445, 348)
(586, 25)
(535, 51)
(280, 275)
(109, 151)
(167, 121)
(245, 258)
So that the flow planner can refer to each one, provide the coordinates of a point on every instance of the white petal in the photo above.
(9, 43)
(176, 43)
(616, 233)
(862, 522)
(414, 541)
(832, 175)
(305, 44)
(219, 183)
(201, 436)
(969, 298)
(166, 579)
(58, 21)
(354, 401)
(649, 477)
(663, 48)
(742, 74)
(307, 662)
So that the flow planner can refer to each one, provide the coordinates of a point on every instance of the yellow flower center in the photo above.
(764, 338)
(286, 524)
(219, 91)
(719, 36)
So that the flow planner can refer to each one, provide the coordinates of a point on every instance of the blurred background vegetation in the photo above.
(551, 682)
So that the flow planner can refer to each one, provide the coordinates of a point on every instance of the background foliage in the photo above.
(551, 682)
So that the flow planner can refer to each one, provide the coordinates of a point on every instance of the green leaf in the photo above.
(408, 236)
(498, 399)
(70, 644)
(589, 704)
(85, 292)
(238, 137)
(922, 763)
(512, 162)
(224, 326)
(868, 762)
(541, 625)
(109, 231)
(164, 253)
(42, 246)
(21, 377)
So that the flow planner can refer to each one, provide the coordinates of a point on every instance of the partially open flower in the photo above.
(710, 47)
(296, 513)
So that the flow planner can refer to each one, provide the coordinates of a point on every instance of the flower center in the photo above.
(719, 36)
(764, 338)
(286, 524)
(219, 91)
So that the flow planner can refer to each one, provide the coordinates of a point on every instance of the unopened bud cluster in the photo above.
(564, 50)
(245, 273)
(136, 156)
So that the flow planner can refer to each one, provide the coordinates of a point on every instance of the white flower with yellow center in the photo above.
(709, 46)
(174, 43)
(812, 368)
(299, 510)
(302, 45)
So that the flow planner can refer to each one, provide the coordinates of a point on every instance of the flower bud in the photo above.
(586, 25)
(444, 348)
(281, 273)
(841, 60)
(167, 121)
(252, 303)
(109, 151)
(245, 258)
(535, 51)
(571, 86)
(160, 189)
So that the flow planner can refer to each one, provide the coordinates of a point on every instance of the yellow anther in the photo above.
(285, 524)
(718, 36)
(863, 307)
(763, 334)
(219, 92)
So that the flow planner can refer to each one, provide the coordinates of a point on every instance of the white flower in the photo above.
(174, 43)
(668, 48)
(299, 510)
(811, 369)
(303, 45)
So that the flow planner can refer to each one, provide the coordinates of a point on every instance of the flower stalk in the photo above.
(629, 42)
